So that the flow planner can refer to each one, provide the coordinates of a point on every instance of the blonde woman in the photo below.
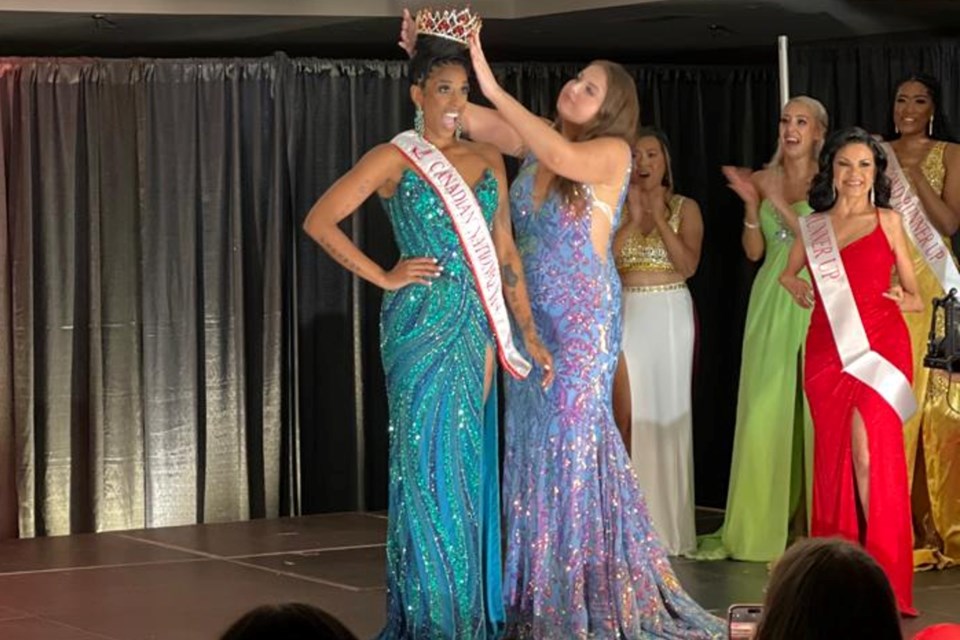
(772, 447)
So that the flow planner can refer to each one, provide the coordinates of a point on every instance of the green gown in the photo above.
(773, 441)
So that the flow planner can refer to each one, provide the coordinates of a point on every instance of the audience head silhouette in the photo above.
(290, 621)
(826, 589)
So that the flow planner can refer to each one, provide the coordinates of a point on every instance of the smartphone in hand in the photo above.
(743, 620)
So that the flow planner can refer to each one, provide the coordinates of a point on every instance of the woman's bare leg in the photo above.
(622, 403)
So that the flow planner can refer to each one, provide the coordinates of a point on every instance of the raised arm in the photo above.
(906, 294)
(601, 160)
(374, 171)
(487, 125)
(738, 179)
(479, 123)
(799, 288)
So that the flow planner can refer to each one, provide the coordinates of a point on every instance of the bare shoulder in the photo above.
(490, 154)
(759, 175)
(689, 206)
(616, 145)
(385, 164)
(615, 148)
(386, 156)
(951, 155)
(890, 218)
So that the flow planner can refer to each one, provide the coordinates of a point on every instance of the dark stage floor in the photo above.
(190, 582)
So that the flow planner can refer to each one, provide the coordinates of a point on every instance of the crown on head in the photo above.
(453, 24)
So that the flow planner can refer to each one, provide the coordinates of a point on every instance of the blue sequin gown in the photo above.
(443, 537)
(583, 559)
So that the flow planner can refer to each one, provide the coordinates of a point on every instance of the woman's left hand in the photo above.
(799, 289)
(485, 78)
(541, 355)
(907, 302)
(895, 293)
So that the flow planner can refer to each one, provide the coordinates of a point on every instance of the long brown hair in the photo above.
(618, 117)
(825, 589)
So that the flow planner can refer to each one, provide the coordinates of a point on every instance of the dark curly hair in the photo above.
(432, 52)
(822, 193)
(942, 127)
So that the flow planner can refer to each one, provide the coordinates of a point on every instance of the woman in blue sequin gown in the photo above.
(583, 559)
(443, 540)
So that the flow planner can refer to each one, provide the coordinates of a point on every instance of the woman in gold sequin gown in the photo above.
(656, 249)
(931, 162)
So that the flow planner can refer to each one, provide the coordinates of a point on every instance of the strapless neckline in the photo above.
(487, 176)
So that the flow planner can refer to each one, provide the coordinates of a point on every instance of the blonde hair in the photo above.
(819, 114)
(618, 117)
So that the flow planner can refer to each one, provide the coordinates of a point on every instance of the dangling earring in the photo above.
(896, 129)
(930, 126)
(459, 130)
(418, 122)
(835, 193)
(872, 203)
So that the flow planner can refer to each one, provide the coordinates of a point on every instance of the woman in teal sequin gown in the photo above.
(443, 540)
(583, 559)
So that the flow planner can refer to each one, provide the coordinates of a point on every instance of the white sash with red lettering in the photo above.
(858, 359)
(471, 227)
(924, 235)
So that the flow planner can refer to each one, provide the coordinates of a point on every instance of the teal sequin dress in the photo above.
(443, 538)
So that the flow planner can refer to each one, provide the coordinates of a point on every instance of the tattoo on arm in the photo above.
(516, 296)
(340, 257)
(362, 193)
(526, 327)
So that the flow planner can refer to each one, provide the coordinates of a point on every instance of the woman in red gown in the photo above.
(860, 474)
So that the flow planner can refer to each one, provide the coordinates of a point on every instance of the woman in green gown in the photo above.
(772, 443)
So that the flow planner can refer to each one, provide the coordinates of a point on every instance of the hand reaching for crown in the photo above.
(481, 68)
(408, 33)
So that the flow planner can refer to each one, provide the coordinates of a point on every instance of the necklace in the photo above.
(783, 232)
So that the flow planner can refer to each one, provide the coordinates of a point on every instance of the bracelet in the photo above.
(751, 225)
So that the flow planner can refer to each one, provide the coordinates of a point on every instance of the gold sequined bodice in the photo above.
(646, 252)
(933, 167)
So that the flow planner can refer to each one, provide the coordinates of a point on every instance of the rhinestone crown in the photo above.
(453, 24)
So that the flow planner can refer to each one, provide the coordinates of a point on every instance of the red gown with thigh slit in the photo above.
(833, 395)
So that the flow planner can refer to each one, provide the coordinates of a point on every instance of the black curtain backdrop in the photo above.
(143, 292)
(173, 349)
(856, 79)
(713, 116)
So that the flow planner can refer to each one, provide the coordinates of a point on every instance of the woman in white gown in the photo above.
(656, 249)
